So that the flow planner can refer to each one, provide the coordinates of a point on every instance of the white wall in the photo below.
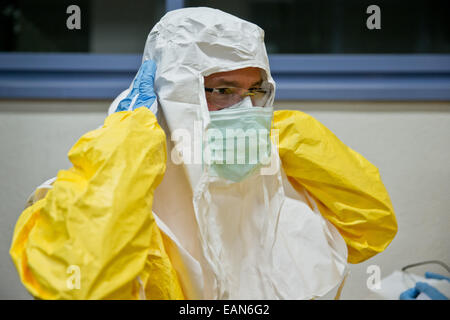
(408, 142)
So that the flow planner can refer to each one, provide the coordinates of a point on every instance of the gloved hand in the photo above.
(422, 287)
(142, 93)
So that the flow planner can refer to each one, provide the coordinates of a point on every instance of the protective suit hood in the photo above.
(256, 239)
(187, 45)
(192, 43)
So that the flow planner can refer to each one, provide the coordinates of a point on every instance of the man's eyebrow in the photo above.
(257, 83)
(224, 82)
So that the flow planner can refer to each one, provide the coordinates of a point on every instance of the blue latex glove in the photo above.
(142, 90)
(430, 291)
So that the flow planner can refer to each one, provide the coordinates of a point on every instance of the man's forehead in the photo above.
(249, 71)
(249, 76)
(234, 83)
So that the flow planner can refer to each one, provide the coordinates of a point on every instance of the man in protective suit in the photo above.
(153, 208)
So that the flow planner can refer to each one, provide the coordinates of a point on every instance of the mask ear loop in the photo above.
(407, 276)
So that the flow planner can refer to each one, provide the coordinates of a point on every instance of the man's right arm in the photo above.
(93, 235)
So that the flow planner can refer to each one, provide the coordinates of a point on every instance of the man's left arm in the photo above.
(346, 186)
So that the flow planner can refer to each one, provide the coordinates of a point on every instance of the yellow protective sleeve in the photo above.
(347, 188)
(94, 236)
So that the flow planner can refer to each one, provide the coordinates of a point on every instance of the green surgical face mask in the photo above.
(238, 140)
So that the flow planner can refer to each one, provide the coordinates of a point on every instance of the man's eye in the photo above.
(257, 90)
(225, 90)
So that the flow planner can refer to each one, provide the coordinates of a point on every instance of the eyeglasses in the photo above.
(226, 97)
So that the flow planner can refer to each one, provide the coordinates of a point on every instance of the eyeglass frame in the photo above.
(266, 87)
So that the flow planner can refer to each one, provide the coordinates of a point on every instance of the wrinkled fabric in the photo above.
(347, 188)
(97, 217)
